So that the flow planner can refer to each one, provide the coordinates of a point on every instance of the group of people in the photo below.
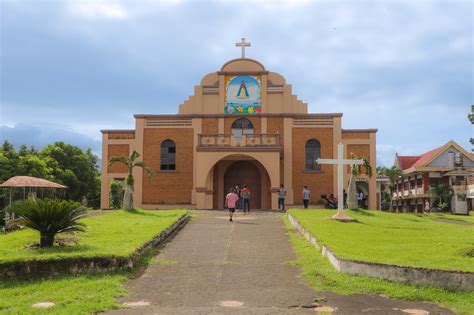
(238, 199)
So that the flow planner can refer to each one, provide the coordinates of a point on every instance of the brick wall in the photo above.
(122, 135)
(169, 187)
(355, 135)
(210, 125)
(118, 150)
(317, 182)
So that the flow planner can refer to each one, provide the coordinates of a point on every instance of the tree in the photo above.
(131, 162)
(74, 168)
(63, 163)
(393, 173)
(443, 196)
(355, 171)
(48, 217)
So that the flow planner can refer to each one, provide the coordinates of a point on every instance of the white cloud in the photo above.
(98, 10)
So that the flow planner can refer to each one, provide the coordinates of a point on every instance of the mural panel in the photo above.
(242, 95)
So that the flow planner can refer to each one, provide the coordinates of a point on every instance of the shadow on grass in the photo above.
(57, 249)
(363, 212)
(152, 213)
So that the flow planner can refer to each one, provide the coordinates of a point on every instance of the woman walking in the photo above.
(230, 201)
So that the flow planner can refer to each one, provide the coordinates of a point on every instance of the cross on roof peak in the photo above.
(242, 45)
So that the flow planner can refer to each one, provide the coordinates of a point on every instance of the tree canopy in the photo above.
(59, 162)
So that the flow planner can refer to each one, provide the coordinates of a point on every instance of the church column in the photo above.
(288, 159)
(104, 180)
(197, 124)
(137, 144)
(337, 138)
(373, 179)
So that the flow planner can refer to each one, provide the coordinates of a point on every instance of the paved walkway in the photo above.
(214, 266)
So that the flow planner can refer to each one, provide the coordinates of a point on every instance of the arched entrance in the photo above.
(245, 173)
(230, 172)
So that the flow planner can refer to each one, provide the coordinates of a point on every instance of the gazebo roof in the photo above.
(27, 181)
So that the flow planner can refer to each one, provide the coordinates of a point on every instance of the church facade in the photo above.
(242, 126)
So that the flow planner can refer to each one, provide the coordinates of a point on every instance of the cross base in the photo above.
(342, 217)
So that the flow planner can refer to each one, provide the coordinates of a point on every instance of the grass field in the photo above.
(323, 277)
(118, 233)
(400, 239)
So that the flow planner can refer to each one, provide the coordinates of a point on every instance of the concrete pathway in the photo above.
(214, 266)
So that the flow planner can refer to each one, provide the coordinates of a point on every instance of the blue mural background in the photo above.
(243, 95)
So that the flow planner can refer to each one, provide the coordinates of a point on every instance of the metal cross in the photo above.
(242, 44)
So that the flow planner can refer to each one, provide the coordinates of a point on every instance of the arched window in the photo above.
(241, 127)
(313, 152)
(168, 156)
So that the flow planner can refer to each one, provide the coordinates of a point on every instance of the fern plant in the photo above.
(49, 217)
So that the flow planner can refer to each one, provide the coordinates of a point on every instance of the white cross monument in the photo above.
(242, 44)
(340, 162)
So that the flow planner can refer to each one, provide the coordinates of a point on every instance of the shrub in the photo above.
(116, 194)
(49, 217)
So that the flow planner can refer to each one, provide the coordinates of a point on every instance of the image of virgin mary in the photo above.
(243, 93)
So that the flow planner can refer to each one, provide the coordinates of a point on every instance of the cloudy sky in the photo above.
(71, 68)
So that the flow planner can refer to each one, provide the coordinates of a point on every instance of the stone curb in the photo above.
(78, 265)
(451, 280)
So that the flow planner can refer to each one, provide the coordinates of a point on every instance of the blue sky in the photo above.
(71, 68)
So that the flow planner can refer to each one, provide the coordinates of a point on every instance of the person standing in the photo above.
(360, 199)
(344, 193)
(231, 200)
(246, 198)
(281, 198)
(306, 196)
(238, 193)
(427, 206)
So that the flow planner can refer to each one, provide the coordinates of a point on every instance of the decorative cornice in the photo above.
(118, 131)
(359, 130)
(268, 115)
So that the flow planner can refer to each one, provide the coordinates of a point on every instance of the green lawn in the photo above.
(83, 294)
(323, 277)
(117, 234)
(401, 239)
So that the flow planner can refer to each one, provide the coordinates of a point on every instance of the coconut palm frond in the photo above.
(119, 159)
(135, 155)
(144, 166)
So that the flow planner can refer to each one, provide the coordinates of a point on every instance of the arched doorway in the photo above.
(241, 171)
(245, 173)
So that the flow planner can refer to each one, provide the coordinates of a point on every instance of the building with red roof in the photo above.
(448, 165)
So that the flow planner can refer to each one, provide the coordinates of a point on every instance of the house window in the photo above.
(313, 152)
(241, 127)
(168, 156)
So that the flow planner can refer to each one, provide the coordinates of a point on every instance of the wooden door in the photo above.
(245, 173)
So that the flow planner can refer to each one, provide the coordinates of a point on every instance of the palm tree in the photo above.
(49, 217)
(131, 163)
(355, 171)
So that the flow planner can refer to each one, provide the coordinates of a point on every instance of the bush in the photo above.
(116, 194)
(49, 217)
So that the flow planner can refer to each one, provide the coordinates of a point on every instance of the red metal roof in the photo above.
(407, 161)
(425, 157)
(27, 181)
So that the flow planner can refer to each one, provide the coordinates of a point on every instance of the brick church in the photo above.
(243, 125)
